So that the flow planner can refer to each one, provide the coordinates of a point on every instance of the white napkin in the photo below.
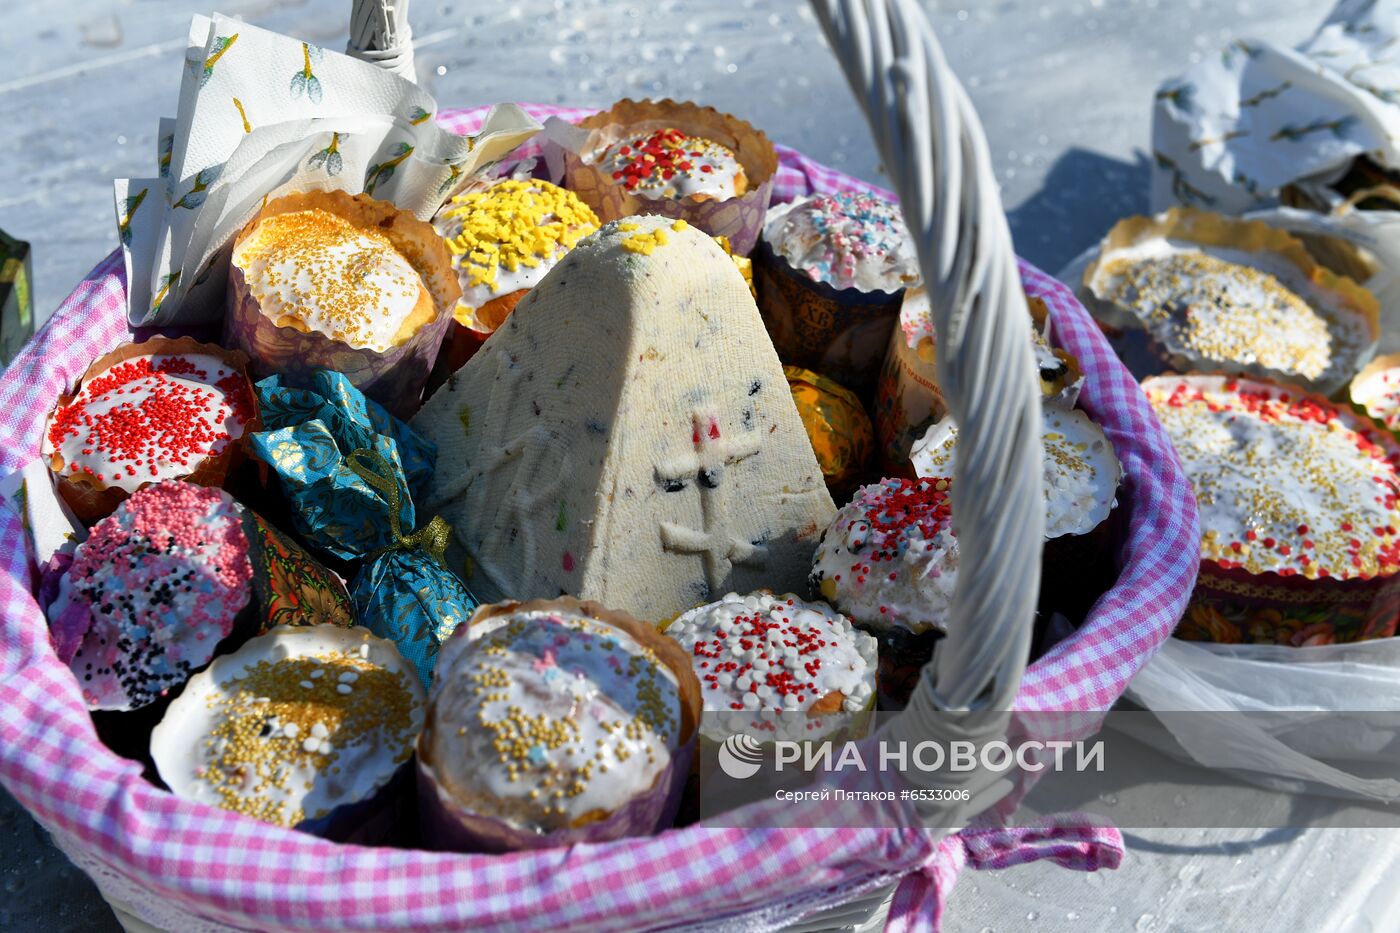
(1240, 125)
(261, 114)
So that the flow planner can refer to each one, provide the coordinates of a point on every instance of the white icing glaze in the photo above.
(1081, 471)
(1284, 481)
(847, 240)
(315, 267)
(516, 259)
(696, 166)
(797, 654)
(545, 717)
(366, 701)
(1258, 314)
(890, 557)
(84, 445)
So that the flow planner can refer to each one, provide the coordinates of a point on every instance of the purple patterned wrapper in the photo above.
(738, 218)
(395, 377)
(446, 826)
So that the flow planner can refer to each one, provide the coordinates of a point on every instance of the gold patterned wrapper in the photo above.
(843, 332)
(1212, 293)
(837, 426)
(738, 218)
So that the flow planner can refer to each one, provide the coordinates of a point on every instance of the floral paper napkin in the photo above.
(261, 114)
(1256, 117)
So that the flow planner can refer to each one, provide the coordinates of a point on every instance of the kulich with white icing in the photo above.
(505, 237)
(149, 418)
(292, 725)
(314, 270)
(669, 163)
(549, 715)
(1286, 482)
(1081, 471)
(161, 581)
(848, 240)
(889, 560)
(763, 651)
(1219, 294)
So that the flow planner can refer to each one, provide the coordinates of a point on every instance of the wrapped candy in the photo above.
(350, 472)
(837, 426)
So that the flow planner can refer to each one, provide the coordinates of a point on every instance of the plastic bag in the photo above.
(1307, 730)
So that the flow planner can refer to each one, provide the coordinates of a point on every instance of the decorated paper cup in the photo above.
(1300, 512)
(736, 212)
(831, 270)
(553, 722)
(167, 408)
(310, 728)
(327, 280)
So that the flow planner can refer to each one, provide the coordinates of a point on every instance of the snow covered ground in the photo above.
(1064, 88)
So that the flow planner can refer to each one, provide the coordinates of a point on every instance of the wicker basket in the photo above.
(171, 864)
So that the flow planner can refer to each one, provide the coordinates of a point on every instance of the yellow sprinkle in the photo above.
(512, 224)
(644, 243)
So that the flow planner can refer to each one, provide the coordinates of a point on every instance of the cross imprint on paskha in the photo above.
(704, 463)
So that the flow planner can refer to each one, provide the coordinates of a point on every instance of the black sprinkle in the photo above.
(754, 387)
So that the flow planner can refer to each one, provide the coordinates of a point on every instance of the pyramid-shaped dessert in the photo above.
(627, 436)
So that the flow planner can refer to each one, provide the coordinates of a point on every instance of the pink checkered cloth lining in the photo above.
(232, 870)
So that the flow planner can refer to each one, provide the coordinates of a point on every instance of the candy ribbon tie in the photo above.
(375, 470)
(1079, 841)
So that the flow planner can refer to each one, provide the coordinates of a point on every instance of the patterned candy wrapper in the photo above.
(289, 586)
(739, 218)
(394, 377)
(837, 426)
(350, 470)
(842, 332)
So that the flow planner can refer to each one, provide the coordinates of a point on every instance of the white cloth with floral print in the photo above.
(1244, 123)
(260, 115)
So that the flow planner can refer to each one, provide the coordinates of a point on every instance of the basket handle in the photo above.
(379, 33)
(935, 151)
